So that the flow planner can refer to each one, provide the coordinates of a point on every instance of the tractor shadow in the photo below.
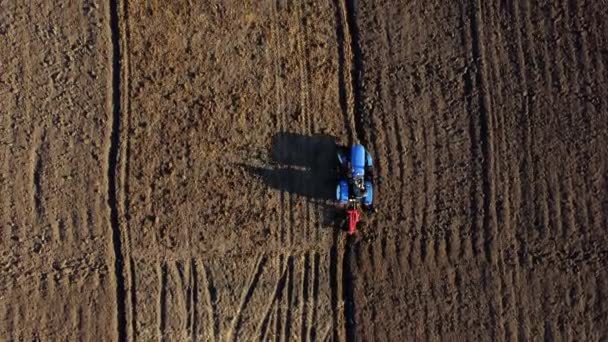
(304, 165)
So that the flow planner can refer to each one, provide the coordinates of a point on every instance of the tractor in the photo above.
(355, 183)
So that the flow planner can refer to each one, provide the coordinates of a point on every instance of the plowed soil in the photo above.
(167, 170)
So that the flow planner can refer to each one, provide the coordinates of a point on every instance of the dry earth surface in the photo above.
(166, 170)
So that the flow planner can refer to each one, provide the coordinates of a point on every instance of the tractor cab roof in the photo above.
(357, 160)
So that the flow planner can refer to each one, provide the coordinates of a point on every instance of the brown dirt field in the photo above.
(166, 170)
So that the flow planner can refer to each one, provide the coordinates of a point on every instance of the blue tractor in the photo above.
(355, 184)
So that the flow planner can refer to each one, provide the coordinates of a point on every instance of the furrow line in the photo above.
(333, 285)
(348, 292)
(128, 78)
(112, 166)
(486, 129)
(126, 162)
(162, 301)
(37, 170)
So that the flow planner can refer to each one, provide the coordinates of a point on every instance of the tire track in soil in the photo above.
(520, 175)
(235, 325)
(543, 205)
(342, 84)
(552, 180)
(185, 274)
(397, 140)
(309, 118)
(333, 284)
(284, 319)
(211, 299)
(8, 135)
(505, 213)
(440, 245)
(478, 87)
(312, 332)
(600, 60)
(567, 54)
(470, 237)
(549, 332)
(451, 239)
(529, 123)
(112, 187)
(26, 69)
(373, 145)
(303, 64)
(280, 115)
(290, 285)
(346, 70)
(292, 198)
(414, 160)
(583, 60)
(486, 128)
(291, 222)
(499, 203)
(571, 56)
(126, 162)
(429, 183)
(133, 298)
(279, 316)
(356, 70)
(266, 322)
